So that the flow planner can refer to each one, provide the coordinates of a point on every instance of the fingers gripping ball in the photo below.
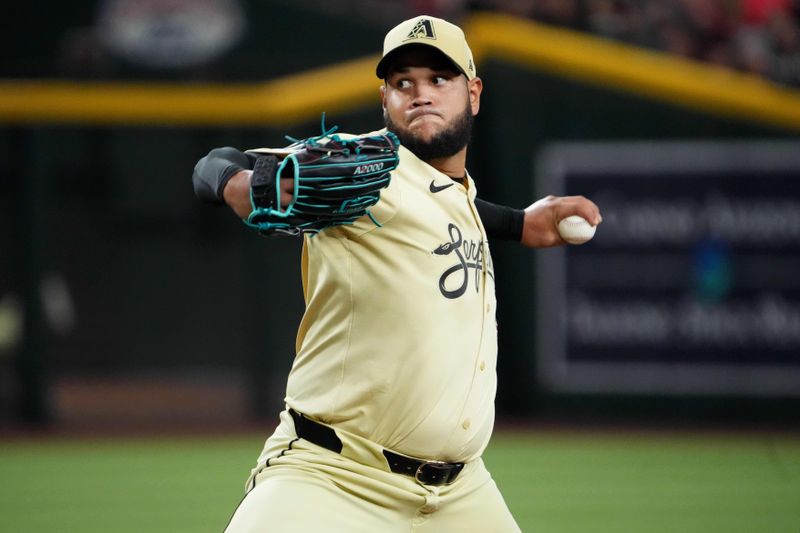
(335, 181)
(576, 230)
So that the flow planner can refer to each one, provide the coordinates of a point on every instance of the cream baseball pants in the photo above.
(300, 487)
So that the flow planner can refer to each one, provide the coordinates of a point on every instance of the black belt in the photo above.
(426, 472)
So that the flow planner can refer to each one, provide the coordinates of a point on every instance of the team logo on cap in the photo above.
(422, 30)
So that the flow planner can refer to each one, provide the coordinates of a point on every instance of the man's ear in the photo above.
(475, 88)
(383, 96)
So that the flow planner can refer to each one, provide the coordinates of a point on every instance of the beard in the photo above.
(445, 143)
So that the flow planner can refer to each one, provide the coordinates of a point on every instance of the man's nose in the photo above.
(422, 96)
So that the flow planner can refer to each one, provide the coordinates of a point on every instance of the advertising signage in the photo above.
(692, 282)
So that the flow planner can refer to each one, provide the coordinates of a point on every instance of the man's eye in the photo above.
(439, 80)
(403, 84)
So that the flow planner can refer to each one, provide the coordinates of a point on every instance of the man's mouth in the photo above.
(421, 113)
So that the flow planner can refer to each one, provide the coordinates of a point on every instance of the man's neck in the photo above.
(454, 165)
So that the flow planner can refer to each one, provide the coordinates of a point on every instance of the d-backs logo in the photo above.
(469, 255)
(422, 29)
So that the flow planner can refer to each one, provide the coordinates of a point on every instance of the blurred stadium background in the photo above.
(649, 380)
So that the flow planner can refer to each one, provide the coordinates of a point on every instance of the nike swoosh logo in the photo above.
(437, 188)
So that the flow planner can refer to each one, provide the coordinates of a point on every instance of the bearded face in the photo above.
(448, 141)
(429, 103)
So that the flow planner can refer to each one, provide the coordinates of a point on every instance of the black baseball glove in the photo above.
(335, 181)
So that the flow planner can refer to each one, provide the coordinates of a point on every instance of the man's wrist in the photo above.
(237, 193)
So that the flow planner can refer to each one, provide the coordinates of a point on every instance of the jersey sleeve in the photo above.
(501, 222)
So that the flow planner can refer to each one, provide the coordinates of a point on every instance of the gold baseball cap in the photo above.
(430, 31)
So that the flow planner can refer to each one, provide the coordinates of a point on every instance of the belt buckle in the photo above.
(439, 465)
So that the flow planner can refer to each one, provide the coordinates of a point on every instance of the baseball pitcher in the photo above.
(390, 400)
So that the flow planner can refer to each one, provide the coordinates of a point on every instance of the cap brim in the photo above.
(386, 61)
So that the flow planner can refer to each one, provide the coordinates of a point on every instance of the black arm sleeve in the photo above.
(212, 172)
(500, 221)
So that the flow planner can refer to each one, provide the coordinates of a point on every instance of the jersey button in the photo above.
(466, 424)
(482, 366)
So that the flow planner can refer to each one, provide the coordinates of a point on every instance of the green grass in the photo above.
(554, 483)
(562, 483)
(110, 486)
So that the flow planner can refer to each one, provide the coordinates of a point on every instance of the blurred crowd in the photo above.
(761, 37)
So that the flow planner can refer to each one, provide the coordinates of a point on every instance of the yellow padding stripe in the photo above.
(353, 84)
(651, 74)
(281, 101)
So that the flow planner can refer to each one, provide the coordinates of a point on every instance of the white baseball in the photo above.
(576, 230)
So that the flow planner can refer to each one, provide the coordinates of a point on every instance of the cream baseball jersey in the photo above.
(398, 343)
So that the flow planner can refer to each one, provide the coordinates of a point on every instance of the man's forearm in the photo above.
(213, 172)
